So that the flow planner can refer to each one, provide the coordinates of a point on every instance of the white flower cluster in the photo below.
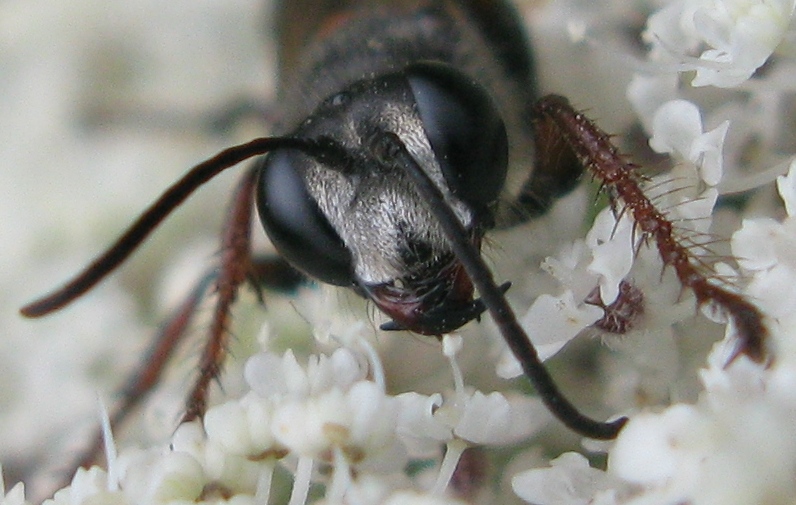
(735, 444)
(735, 58)
(734, 38)
(328, 421)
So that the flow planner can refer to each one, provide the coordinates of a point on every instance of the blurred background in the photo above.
(102, 106)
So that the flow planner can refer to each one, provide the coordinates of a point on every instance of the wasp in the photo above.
(406, 131)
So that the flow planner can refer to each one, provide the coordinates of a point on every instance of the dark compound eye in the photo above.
(465, 130)
(295, 224)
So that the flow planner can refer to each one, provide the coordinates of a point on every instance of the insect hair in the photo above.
(620, 180)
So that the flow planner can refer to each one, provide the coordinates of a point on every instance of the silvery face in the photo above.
(350, 214)
(375, 209)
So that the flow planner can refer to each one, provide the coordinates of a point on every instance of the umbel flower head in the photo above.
(734, 443)
(325, 421)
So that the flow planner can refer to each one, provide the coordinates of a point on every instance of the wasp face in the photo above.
(358, 221)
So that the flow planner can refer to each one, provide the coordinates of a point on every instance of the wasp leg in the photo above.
(570, 136)
(235, 261)
(270, 272)
(233, 271)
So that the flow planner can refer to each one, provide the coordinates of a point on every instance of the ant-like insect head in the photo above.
(336, 219)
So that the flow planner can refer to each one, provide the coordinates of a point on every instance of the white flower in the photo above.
(737, 444)
(240, 449)
(465, 417)
(740, 35)
(495, 419)
(360, 421)
(243, 427)
(612, 245)
(568, 481)
(552, 321)
(154, 477)
(87, 486)
(657, 448)
(677, 128)
(764, 248)
(786, 185)
(469, 415)
(416, 422)
(273, 377)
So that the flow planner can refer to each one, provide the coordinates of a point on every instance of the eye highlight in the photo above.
(295, 224)
(465, 130)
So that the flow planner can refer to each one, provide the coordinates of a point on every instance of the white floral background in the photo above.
(106, 103)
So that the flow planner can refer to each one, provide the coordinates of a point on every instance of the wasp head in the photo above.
(354, 219)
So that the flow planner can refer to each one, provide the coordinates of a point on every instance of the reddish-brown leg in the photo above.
(565, 134)
(234, 270)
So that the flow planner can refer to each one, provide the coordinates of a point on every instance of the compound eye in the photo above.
(465, 130)
(295, 223)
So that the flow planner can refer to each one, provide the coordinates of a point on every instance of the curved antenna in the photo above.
(124, 246)
(390, 150)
